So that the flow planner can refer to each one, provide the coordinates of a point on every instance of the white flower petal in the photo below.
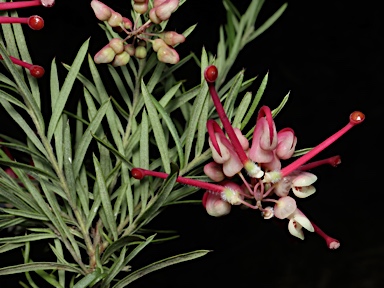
(300, 218)
(295, 229)
(303, 192)
(304, 179)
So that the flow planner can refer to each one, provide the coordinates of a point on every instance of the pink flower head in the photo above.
(264, 183)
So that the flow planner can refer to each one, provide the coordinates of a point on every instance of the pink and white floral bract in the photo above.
(265, 181)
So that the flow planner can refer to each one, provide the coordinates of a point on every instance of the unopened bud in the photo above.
(140, 6)
(214, 205)
(157, 43)
(141, 52)
(105, 55)
(121, 59)
(130, 49)
(115, 20)
(117, 45)
(102, 11)
(172, 38)
(168, 55)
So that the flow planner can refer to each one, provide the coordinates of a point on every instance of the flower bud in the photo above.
(172, 38)
(141, 52)
(157, 43)
(214, 205)
(153, 16)
(117, 45)
(140, 6)
(168, 55)
(121, 59)
(130, 49)
(102, 11)
(105, 55)
(214, 171)
(115, 20)
(286, 143)
(166, 8)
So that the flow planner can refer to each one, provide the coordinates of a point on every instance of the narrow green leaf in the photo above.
(27, 267)
(87, 137)
(68, 168)
(172, 129)
(201, 130)
(66, 89)
(241, 110)
(157, 128)
(88, 279)
(138, 248)
(25, 214)
(277, 110)
(160, 265)
(117, 266)
(120, 86)
(256, 100)
(117, 245)
(105, 198)
(113, 121)
(30, 133)
(144, 158)
(189, 30)
(268, 23)
(9, 98)
(10, 246)
(169, 94)
(32, 170)
(27, 238)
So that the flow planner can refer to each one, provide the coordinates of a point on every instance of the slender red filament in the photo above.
(140, 173)
(355, 118)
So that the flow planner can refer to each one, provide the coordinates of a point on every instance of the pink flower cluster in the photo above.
(34, 22)
(119, 50)
(265, 181)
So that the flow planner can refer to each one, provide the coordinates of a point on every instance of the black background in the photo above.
(329, 56)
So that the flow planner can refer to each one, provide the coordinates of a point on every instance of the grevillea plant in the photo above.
(74, 181)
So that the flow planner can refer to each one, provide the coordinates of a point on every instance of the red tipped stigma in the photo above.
(137, 173)
(140, 173)
(356, 117)
(35, 22)
(36, 71)
(211, 74)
